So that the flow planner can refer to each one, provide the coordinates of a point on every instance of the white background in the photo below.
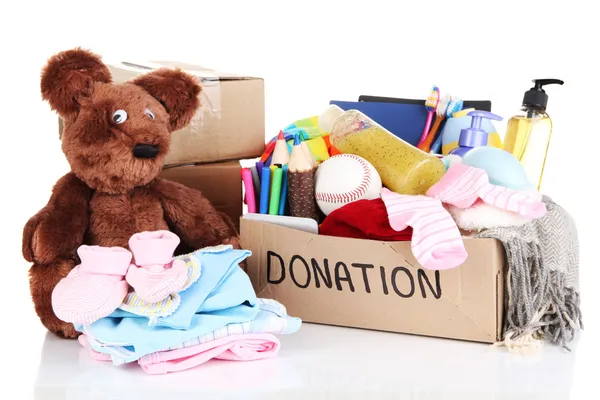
(310, 52)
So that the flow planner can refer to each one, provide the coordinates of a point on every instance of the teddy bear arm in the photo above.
(193, 217)
(58, 229)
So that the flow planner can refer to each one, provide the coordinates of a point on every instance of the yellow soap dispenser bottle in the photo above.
(528, 133)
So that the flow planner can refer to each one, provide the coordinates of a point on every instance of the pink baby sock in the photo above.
(462, 185)
(94, 288)
(436, 242)
(156, 274)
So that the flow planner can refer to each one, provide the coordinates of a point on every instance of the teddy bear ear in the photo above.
(176, 90)
(68, 76)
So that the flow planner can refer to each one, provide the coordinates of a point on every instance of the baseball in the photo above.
(343, 179)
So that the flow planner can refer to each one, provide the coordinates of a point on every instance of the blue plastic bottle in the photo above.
(448, 138)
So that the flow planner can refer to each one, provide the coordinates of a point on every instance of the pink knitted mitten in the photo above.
(94, 288)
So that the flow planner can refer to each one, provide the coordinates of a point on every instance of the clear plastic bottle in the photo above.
(528, 132)
(403, 168)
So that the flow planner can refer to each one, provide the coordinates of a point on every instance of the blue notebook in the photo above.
(403, 120)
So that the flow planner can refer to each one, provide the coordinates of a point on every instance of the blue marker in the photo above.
(284, 189)
(265, 188)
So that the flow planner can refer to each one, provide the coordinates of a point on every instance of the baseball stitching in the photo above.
(352, 195)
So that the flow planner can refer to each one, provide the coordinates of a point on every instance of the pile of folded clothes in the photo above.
(168, 313)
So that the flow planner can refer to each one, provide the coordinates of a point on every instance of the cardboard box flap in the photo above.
(376, 285)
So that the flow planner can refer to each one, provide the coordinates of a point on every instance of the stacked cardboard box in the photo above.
(229, 126)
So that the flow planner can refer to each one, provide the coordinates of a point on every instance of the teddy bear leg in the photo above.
(42, 280)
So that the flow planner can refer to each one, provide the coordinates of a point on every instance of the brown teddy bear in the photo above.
(115, 139)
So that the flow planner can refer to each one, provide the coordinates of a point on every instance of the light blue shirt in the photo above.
(222, 295)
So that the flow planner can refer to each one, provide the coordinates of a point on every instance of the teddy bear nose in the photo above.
(145, 151)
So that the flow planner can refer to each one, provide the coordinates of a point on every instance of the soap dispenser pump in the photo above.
(474, 136)
(529, 131)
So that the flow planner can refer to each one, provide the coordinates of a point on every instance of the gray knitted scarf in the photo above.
(541, 278)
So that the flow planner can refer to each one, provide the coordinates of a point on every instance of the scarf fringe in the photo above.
(524, 344)
(542, 301)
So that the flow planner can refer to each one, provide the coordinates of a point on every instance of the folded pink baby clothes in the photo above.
(155, 274)
(436, 241)
(94, 288)
(462, 186)
(246, 347)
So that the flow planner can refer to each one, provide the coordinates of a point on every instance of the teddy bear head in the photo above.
(116, 136)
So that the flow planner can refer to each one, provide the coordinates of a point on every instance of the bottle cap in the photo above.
(474, 136)
(536, 96)
(328, 118)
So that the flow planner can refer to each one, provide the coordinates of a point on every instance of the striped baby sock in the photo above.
(95, 288)
(436, 242)
(168, 305)
(155, 274)
(462, 186)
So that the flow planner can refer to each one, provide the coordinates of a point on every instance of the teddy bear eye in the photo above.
(149, 113)
(119, 116)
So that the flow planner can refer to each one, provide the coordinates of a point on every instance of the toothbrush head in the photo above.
(455, 105)
(433, 99)
(443, 106)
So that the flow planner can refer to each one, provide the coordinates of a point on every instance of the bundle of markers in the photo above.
(286, 186)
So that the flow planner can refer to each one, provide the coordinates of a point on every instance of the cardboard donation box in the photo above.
(230, 123)
(377, 285)
(219, 182)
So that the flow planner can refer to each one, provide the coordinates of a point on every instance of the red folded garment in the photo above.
(363, 219)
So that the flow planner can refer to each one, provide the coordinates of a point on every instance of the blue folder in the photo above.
(405, 121)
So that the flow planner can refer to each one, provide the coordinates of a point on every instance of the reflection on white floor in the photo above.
(330, 362)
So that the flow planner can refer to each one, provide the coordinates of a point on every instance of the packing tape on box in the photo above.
(210, 99)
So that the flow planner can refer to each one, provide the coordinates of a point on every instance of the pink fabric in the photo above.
(154, 274)
(436, 241)
(94, 288)
(106, 261)
(245, 347)
(153, 248)
(93, 353)
(462, 186)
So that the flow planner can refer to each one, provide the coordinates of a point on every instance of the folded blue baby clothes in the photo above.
(272, 318)
(222, 295)
(223, 284)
